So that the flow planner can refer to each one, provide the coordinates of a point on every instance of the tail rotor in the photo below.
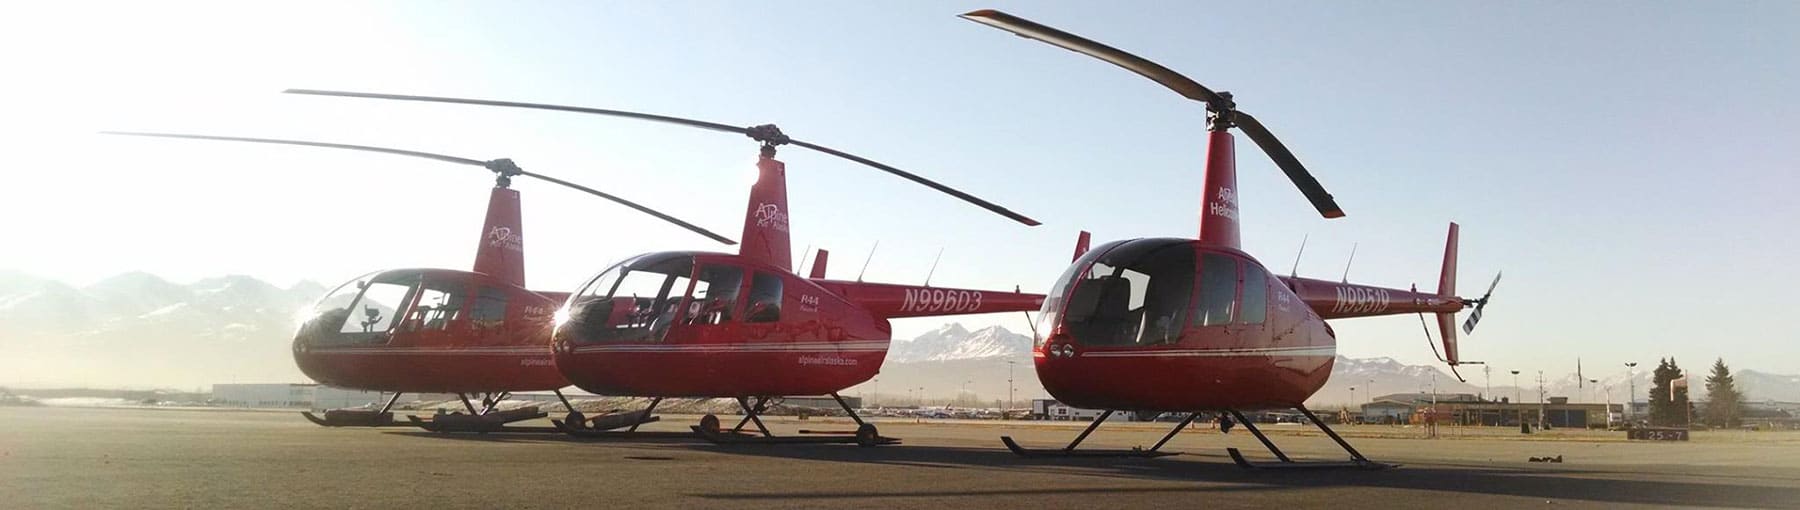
(1480, 304)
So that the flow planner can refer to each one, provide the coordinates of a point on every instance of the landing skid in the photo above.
(1064, 452)
(865, 434)
(353, 418)
(1357, 461)
(1238, 457)
(357, 417)
(607, 425)
(488, 422)
(872, 438)
(1070, 451)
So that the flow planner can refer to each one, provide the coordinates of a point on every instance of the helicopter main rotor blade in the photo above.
(500, 166)
(1028, 29)
(1187, 87)
(365, 148)
(1289, 164)
(758, 132)
(984, 204)
(535, 106)
(627, 203)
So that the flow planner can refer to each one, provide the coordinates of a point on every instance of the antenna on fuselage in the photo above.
(1295, 272)
(865, 269)
(934, 263)
(1348, 262)
(801, 265)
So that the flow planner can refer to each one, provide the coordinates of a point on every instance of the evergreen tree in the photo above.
(1724, 404)
(1667, 409)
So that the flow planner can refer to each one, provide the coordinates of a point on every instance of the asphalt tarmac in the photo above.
(154, 458)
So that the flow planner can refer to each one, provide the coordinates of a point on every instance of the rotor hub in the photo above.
(1219, 114)
(768, 134)
(503, 169)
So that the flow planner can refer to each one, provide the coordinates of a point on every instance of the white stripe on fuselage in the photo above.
(1215, 353)
(854, 346)
(438, 351)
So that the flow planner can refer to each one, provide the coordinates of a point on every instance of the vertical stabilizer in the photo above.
(766, 222)
(1219, 205)
(1081, 245)
(1447, 290)
(501, 253)
(818, 268)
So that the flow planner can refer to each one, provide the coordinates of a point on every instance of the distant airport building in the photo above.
(820, 402)
(263, 395)
(296, 395)
(1050, 409)
(1468, 409)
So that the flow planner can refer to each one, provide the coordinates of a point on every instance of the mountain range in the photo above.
(952, 363)
(137, 330)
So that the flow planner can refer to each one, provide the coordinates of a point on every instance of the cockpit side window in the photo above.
(375, 308)
(1136, 295)
(715, 294)
(638, 303)
(1057, 300)
(765, 298)
(440, 303)
(489, 310)
(1218, 290)
(1256, 296)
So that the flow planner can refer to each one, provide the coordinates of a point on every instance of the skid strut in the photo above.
(1070, 451)
(864, 435)
(1357, 460)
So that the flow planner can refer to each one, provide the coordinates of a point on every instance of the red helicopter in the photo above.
(697, 324)
(440, 330)
(1188, 325)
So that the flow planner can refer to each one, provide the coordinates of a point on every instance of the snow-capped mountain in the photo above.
(952, 360)
(138, 329)
(953, 342)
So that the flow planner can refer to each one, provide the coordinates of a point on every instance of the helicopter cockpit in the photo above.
(1144, 292)
(368, 309)
(640, 299)
(635, 300)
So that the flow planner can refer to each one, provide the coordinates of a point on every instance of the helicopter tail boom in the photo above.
(893, 301)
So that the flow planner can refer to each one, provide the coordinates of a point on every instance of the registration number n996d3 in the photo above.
(941, 300)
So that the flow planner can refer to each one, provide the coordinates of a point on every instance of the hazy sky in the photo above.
(1630, 165)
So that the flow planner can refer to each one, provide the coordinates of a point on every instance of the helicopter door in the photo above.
(1253, 301)
(711, 307)
(1216, 292)
(439, 314)
(440, 306)
(488, 313)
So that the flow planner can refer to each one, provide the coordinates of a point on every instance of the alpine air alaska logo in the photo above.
(1225, 205)
(770, 216)
(505, 237)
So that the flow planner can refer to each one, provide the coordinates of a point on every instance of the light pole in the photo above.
(963, 393)
(876, 394)
(1517, 392)
(1009, 384)
(1487, 372)
(1369, 390)
(1543, 407)
(1353, 395)
(1630, 398)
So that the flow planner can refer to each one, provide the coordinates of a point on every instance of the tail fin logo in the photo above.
(1225, 205)
(770, 216)
(506, 237)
